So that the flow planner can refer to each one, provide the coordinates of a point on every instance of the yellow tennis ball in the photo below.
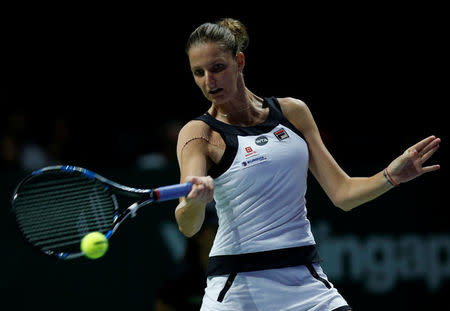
(94, 245)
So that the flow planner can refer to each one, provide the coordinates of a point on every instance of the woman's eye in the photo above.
(198, 72)
(218, 67)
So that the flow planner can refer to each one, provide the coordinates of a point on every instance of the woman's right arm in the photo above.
(194, 163)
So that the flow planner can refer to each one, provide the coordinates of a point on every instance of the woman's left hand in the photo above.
(410, 164)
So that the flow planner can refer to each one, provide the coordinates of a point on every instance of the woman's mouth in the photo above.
(215, 91)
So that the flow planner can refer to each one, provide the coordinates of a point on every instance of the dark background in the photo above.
(114, 79)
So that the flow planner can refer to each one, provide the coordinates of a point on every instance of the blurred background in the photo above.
(108, 88)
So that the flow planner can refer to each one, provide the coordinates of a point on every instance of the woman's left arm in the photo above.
(348, 192)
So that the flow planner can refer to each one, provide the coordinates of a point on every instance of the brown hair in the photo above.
(231, 34)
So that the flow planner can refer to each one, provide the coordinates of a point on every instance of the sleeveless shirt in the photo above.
(260, 186)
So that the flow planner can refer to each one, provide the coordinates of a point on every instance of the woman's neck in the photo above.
(244, 110)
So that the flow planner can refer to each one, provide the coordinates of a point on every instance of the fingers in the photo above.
(202, 188)
(423, 150)
(425, 142)
(201, 180)
(433, 143)
(429, 151)
(410, 164)
(431, 168)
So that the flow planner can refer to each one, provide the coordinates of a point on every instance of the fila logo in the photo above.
(281, 134)
(248, 149)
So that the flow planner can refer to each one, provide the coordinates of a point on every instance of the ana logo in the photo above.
(261, 140)
(281, 134)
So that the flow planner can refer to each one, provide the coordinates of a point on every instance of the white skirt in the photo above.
(297, 288)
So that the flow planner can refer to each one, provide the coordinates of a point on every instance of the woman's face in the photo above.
(215, 71)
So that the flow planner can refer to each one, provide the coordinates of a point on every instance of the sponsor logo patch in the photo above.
(253, 161)
(261, 140)
(249, 151)
(281, 134)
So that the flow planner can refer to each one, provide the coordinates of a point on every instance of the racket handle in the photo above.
(172, 192)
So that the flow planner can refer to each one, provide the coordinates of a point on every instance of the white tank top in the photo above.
(260, 186)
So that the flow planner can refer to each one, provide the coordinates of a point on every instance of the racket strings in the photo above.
(55, 214)
(59, 224)
(61, 192)
(55, 232)
(51, 212)
(36, 210)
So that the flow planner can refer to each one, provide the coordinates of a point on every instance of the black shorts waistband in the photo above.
(274, 259)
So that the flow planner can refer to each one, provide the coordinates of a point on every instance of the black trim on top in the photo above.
(343, 308)
(230, 132)
(227, 159)
(231, 143)
(317, 276)
(227, 286)
(273, 119)
(284, 121)
(274, 259)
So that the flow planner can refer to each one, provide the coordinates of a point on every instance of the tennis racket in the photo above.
(56, 206)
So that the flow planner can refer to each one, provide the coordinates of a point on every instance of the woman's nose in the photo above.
(209, 78)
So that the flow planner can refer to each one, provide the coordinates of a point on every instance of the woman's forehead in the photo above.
(204, 53)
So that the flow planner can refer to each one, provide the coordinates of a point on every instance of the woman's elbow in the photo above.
(345, 206)
(189, 223)
(342, 198)
(343, 203)
(188, 232)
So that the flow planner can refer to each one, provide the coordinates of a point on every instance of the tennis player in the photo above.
(252, 155)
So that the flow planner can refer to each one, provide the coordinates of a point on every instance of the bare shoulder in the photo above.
(290, 104)
(200, 135)
(194, 128)
(197, 129)
(296, 111)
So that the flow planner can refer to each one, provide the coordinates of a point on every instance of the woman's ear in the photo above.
(240, 59)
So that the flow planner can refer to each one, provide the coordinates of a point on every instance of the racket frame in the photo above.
(144, 196)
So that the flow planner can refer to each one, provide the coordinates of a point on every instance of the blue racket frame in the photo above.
(146, 197)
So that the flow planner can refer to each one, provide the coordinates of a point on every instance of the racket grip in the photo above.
(172, 192)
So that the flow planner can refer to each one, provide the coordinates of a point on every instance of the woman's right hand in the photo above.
(202, 191)
(190, 212)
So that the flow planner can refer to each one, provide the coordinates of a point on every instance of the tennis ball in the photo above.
(94, 245)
